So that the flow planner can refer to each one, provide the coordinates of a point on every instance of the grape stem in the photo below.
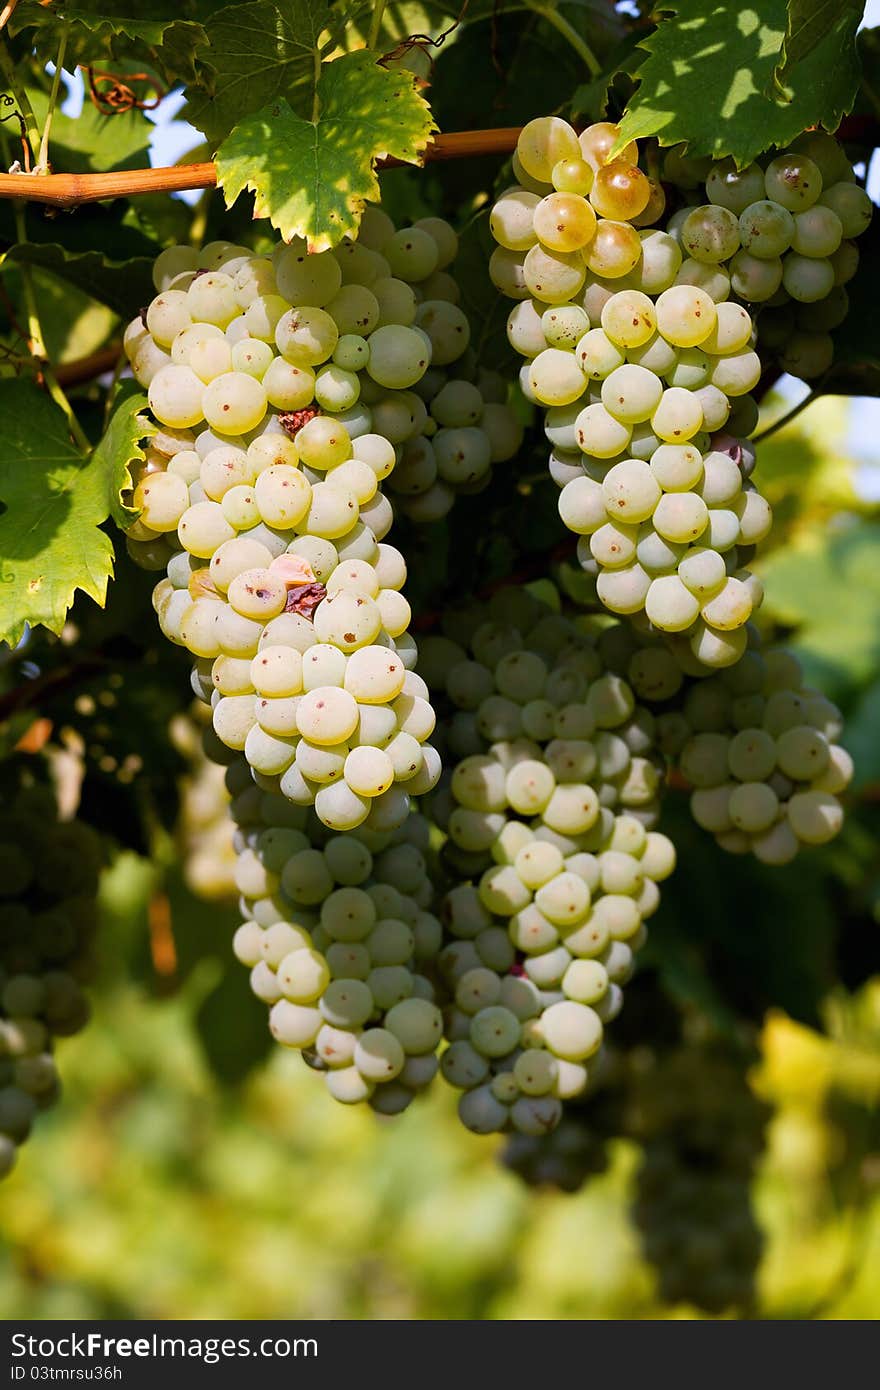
(568, 31)
(37, 343)
(375, 23)
(787, 417)
(42, 164)
(26, 111)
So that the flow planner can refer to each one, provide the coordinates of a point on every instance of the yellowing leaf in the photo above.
(54, 502)
(312, 178)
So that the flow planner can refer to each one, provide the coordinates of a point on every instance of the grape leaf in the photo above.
(252, 54)
(100, 29)
(811, 22)
(92, 141)
(830, 595)
(312, 178)
(736, 49)
(124, 286)
(54, 502)
(120, 446)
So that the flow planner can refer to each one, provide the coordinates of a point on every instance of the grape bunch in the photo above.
(644, 369)
(469, 427)
(281, 388)
(783, 233)
(205, 830)
(763, 760)
(701, 1129)
(757, 747)
(48, 885)
(338, 936)
(550, 822)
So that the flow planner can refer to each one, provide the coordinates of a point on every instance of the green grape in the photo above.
(793, 180)
(710, 234)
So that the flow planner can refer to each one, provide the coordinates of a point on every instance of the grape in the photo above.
(852, 206)
(556, 378)
(793, 180)
(624, 590)
(681, 516)
(175, 396)
(733, 188)
(677, 417)
(807, 355)
(582, 506)
(685, 315)
(754, 279)
(304, 278)
(767, 229)
(599, 434)
(599, 139)
(543, 142)
(730, 607)
(806, 278)
(630, 488)
(564, 326)
(631, 394)
(398, 356)
(677, 467)
(572, 1030)
(737, 373)
(234, 402)
(817, 232)
(670, 604)
(211, 299)
(596, 354)
(710, 234)
(732, 331)
(564, 222)
(554, 277)
(614, 251)
(660, 262)
(620, 190)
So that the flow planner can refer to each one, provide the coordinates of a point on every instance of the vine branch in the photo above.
(70, 190)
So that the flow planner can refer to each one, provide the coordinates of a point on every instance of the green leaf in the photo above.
(92, 142)
(54, 503)
(124, 286)
(254, 54)
(312, 178)
(829, 593)
(120, 447)
(100, 29)
(810, 23)
(708, 68)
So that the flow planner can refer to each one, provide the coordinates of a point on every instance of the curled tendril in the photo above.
(423, 42)
(6, 101)
(111, 94)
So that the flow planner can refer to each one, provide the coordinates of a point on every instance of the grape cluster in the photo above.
(763, 760)
(205, 830)
(551, 823)
(281, 387)
(48, 882)
(337, 935)
(644, 368)
(756, 745)
(783, 234)
(702, 1130)
(469, 427)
